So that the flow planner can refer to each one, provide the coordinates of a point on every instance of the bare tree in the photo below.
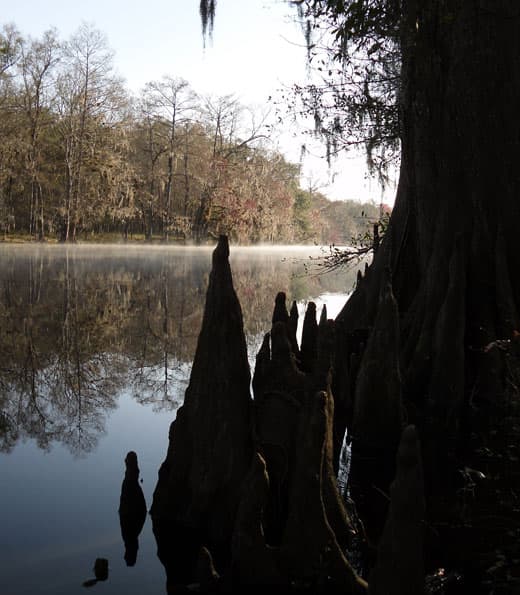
(231, 135)
(173, 103)
(38, 59)
(90, 96)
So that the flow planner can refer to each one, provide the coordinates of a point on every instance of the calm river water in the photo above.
(96, 346)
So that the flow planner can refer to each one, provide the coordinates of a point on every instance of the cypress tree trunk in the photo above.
(451, 260)
(450, 249)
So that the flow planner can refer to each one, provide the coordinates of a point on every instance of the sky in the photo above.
(257, 49)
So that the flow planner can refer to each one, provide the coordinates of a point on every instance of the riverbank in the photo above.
(98, 238)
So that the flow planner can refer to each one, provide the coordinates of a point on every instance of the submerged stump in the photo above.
(132, 509)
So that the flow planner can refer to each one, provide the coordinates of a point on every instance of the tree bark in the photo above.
(450, 249)
(210, 445)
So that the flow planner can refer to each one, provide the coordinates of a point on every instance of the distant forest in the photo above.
(82, 157)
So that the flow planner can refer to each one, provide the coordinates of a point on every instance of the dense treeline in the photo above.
(81, 156)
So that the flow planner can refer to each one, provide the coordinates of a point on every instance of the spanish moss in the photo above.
(207, 17)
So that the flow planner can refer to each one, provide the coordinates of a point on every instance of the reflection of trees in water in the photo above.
(78, 327)
(57, 410)
(167, 316)
(55, 387)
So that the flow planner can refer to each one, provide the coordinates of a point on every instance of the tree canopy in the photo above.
(83, 157)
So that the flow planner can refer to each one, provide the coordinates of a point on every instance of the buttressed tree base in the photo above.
(247, 495)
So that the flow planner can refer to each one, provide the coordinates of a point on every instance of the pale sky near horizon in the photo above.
(257, 48)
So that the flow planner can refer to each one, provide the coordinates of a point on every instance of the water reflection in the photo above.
(100, 572)
(132, 509)
(79, 325)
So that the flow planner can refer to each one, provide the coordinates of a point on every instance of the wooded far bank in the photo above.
(81, 157)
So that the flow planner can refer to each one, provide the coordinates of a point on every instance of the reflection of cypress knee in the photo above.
(399, 569)
(100, 572)
(210, 443)
(101, 569)
(132, 509)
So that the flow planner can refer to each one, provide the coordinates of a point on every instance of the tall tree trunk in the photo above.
(450, 247)
(41, 230)
(186, 182)
(169, 181)
(66, 218)
(32, 207)
(168, 199)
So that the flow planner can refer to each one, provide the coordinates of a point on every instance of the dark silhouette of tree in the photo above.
(425, 74)
(437, 311)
